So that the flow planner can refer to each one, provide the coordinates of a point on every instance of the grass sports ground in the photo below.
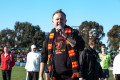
(19, 73)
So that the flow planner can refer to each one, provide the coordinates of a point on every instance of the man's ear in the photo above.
(52, 21)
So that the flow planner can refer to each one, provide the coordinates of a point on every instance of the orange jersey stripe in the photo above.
(51, 36)
(49, 57)
(71, 53)
(74, 64)
(67, 42)
(75, 74)
(50, 68)
(67, 30)
(49, 46)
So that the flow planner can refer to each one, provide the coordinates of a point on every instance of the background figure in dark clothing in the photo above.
(90, 68)
(60, 50)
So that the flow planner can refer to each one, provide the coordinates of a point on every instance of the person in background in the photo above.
(33, 64)
(89, 61)
(60, 50)
(116, 66)
(7, 62)
(1, 51)
(105, 61)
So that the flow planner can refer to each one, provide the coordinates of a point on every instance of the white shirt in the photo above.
(33, 61)
(5, 55)
(116, 64)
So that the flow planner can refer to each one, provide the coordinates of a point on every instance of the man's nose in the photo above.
(59, 20)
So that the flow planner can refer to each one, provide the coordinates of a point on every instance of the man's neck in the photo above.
(6, 52)
(91, 46)
(103, 53)
(33, 51)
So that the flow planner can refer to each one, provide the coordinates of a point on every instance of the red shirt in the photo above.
(7, 62)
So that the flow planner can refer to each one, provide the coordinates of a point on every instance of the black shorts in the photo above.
(32, 75)
(65, 76)
(46, 69)
(106, 73)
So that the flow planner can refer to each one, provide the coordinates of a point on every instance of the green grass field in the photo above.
(19, 73)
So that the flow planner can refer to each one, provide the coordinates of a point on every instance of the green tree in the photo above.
(38, 38)
(85, 28)
(114, 37)
(7, 36)
(27, 34)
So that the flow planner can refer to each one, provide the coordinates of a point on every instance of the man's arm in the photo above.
(71, 41)
(80, 44)
(42, 67)
(101, 75)
(81, 79)
(44, 57)
(82, 62)
(76, 40)
(27, 62)
(114, 76)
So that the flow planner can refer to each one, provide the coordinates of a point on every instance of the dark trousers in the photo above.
(117, 76)
(65, 76)
(33, 75)
(6, 74)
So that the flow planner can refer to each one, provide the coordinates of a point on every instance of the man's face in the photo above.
(94, 45)
(33, 49)
(5, 49)
(59, 18)
(103, 49)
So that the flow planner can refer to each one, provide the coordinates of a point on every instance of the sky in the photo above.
(39, 12)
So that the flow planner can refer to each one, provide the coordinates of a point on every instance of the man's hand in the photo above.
(114, 76)
(102, 79)
(41, 78)
(59, 28)
(42, 67)
(81, 79)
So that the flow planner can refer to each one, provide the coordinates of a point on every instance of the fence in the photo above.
(19, 64)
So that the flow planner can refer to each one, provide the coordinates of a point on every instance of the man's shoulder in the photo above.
(100, 54)
(85, 51)
(75, 31)
(29, 53)
(38, 52)
(107, 54)
(3, 53)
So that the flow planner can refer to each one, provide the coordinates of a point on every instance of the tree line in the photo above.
(26, 34)
(113, 34)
